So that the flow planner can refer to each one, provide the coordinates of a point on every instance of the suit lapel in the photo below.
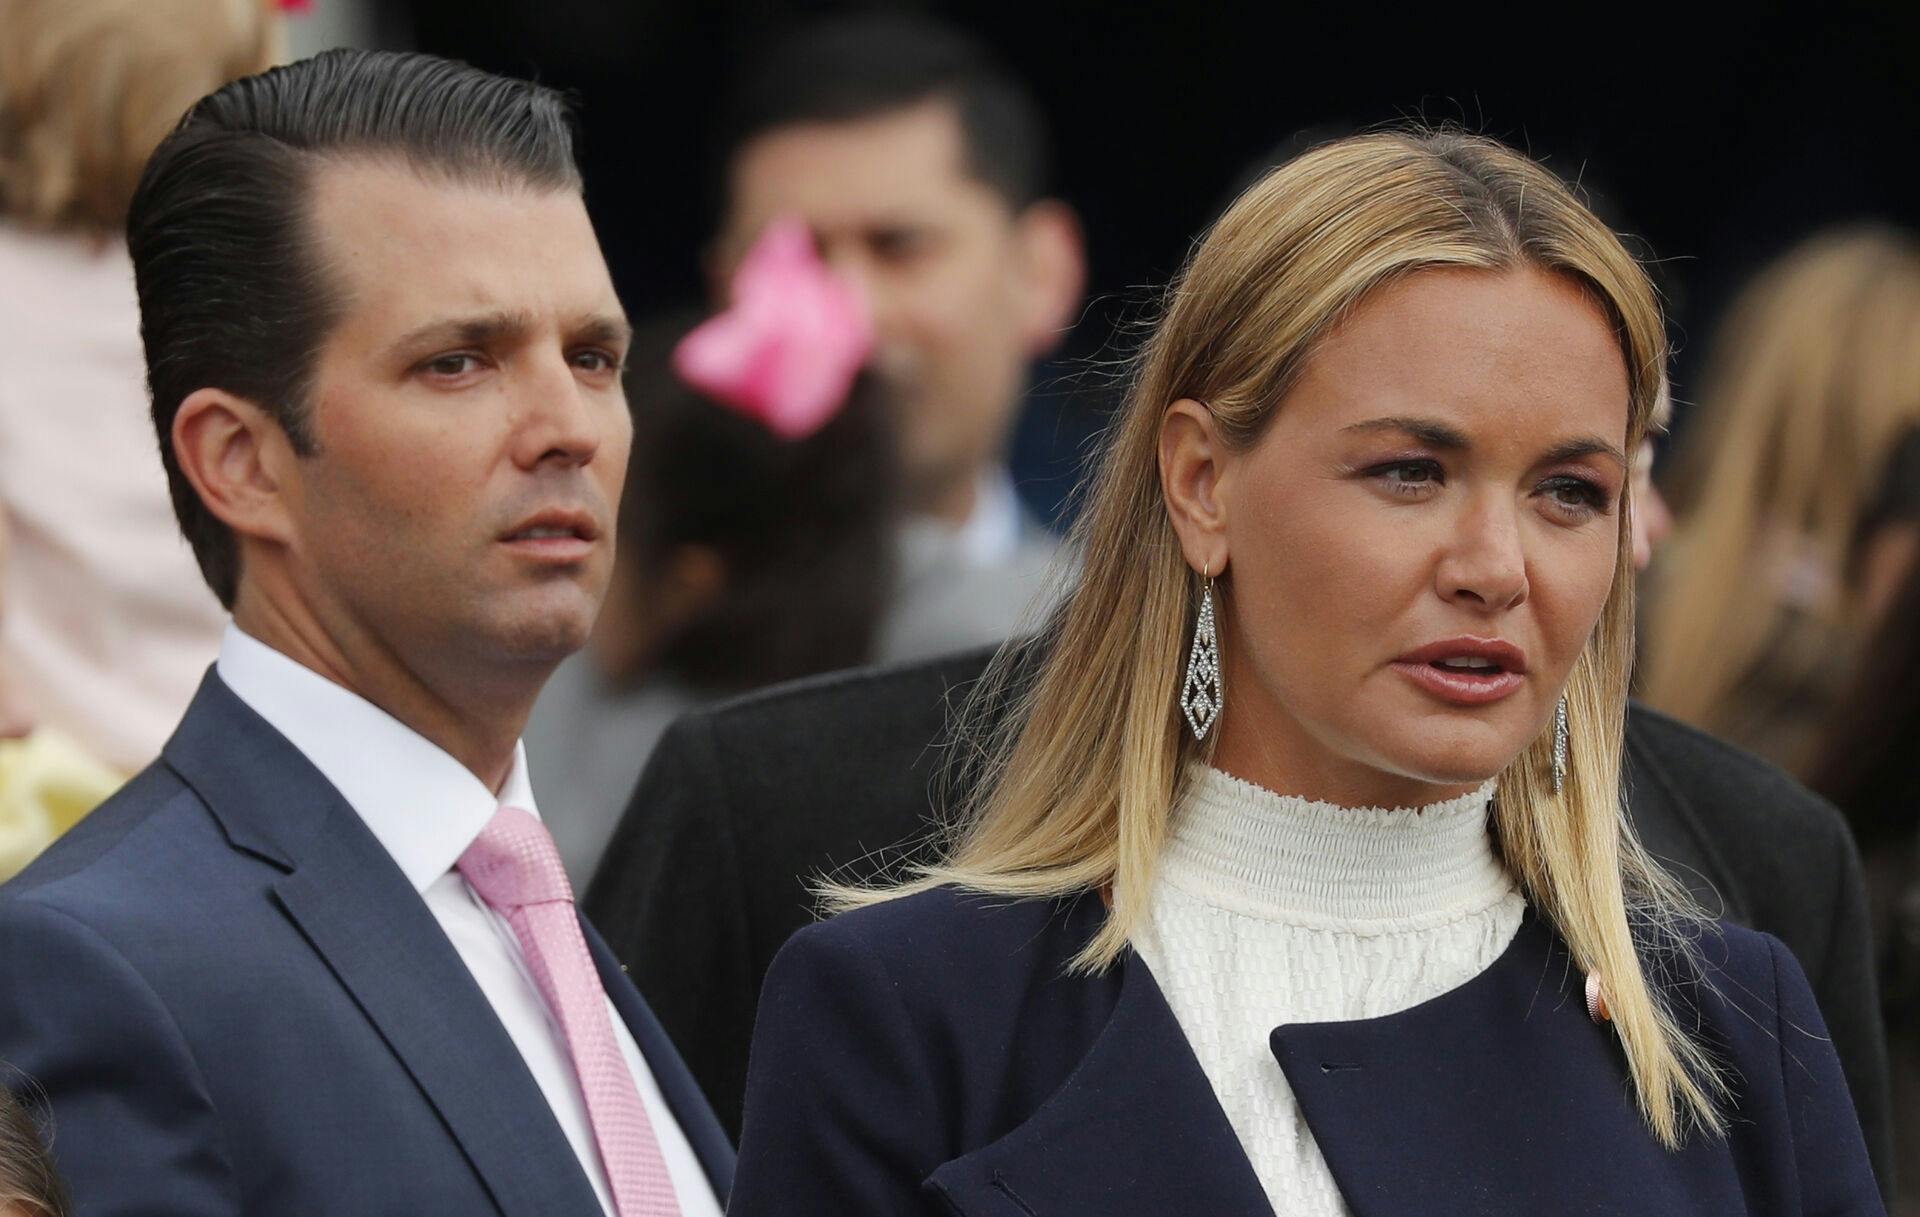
(374, 932)
(684, 1098)
(1135, 1130)
(1500, 1096)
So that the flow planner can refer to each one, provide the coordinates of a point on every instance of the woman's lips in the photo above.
(1461, 688)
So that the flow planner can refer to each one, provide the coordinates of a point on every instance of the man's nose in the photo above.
(559, 418)
(848, 260)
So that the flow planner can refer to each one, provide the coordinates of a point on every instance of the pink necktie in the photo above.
(516, 869)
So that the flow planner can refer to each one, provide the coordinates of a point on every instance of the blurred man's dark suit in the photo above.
(743, 804)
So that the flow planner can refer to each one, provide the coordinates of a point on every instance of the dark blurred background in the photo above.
(1717, 138)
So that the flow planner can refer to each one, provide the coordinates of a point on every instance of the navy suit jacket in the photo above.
(931, 1055)
(237, 1003)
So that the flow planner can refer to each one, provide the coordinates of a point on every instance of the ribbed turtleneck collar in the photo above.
(1248, 850)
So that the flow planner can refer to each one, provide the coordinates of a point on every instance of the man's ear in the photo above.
(238, 460)
(1053, 252)
(1193, 475)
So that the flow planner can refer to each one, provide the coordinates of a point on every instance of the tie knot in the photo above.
(513, 862)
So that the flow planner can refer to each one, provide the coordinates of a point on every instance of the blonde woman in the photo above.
(1762, 600)
(109, 627)
(1298, 882)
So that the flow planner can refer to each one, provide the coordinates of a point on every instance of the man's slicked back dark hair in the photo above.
(848, 68)
(232, 292)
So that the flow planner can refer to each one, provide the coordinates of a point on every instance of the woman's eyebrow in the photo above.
(1426, 430)
(1438, 434)
(1574, 449)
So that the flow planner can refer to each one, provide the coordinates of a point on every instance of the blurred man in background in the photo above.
(921, 167)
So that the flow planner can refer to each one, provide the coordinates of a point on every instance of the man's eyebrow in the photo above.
(609, 329)
(1442, 435)
(612, 329)
(467, 331)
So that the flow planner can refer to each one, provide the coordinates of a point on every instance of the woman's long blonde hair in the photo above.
(89, 87)
(1812, 382)
(1073, 788)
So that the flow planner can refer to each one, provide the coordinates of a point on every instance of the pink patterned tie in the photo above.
(516, 869)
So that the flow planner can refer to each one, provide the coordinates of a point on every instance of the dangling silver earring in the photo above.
(1560, 745)
(1200, 696)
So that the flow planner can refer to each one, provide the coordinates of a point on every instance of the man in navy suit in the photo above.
(316, 958)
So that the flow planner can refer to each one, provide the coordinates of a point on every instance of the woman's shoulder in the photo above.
(948, 928)
(965, 967)
(1751, 999)
(1744, 967)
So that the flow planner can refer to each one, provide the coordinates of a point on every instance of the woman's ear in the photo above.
(1193, 480)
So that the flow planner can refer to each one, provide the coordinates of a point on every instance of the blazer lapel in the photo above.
(1500, 1096)
(684, 1098)
(365, 920)
(1136, 1130)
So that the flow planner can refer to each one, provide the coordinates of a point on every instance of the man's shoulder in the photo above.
(850, 700)
(139, 861)
(1730, 790)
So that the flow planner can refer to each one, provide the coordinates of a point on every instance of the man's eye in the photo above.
(452, 365)
(595, 361)
(897, 244)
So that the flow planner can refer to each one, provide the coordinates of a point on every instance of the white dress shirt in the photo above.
(426, 808)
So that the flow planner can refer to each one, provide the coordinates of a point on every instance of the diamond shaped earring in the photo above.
(1200, 696)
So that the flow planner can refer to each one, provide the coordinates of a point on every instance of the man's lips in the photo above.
(1465, 671)
(559, 536)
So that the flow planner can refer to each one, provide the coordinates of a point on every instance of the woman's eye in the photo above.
(1576, 496)
(1410, 477)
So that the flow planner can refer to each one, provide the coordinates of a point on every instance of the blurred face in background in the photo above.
(1652, 519)
(966, 291)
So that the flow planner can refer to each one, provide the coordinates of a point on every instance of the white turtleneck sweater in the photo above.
(1270, 909)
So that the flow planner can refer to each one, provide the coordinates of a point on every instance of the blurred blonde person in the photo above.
(46, 782)
(110, 628)
(1759, 606)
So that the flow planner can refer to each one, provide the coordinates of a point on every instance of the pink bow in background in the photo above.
(788, 348)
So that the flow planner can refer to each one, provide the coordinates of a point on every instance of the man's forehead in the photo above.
(838, 171)
(387, 233)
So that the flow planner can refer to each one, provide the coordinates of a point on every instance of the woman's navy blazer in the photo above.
(932, 1055)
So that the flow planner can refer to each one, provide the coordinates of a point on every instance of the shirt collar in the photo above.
(423, 806)
(992, 532)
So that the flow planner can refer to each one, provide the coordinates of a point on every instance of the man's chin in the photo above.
(547, 629)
